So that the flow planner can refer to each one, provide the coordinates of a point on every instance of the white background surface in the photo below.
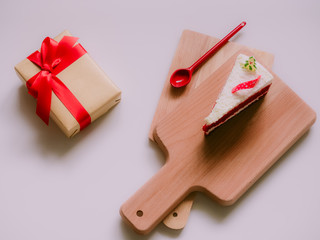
(54, 188)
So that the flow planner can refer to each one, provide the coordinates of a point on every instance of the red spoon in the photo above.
(182, 77)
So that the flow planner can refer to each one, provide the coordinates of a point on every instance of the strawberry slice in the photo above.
(246, 85)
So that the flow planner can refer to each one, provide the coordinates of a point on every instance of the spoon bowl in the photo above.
(181, 77)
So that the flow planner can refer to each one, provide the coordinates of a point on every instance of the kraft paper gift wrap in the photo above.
(88, 83)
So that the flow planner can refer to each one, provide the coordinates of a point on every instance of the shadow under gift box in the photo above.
(88, 83)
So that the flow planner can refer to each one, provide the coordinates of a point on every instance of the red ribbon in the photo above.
(53, 58)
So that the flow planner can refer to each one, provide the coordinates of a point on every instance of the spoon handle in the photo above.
(216, 47)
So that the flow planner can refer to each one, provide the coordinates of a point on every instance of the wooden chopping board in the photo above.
(228, 161)
(191, 46)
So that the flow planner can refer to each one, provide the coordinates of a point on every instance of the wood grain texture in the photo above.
(228, 161)
(191, 46)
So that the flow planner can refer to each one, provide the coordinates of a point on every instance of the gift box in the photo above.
(67, 83)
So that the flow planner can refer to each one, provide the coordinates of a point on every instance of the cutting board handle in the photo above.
(154, 200)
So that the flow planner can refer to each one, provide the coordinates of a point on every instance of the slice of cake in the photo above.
(247, 82)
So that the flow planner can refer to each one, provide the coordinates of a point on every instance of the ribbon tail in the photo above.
(36, 58)
(33, 85)
(44, 101)
(71, 103)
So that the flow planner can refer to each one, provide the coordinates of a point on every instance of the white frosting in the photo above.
(228, 100)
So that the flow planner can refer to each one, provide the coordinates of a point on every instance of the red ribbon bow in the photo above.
(53, 58)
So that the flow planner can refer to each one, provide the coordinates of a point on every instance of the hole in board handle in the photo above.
(139, 213)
